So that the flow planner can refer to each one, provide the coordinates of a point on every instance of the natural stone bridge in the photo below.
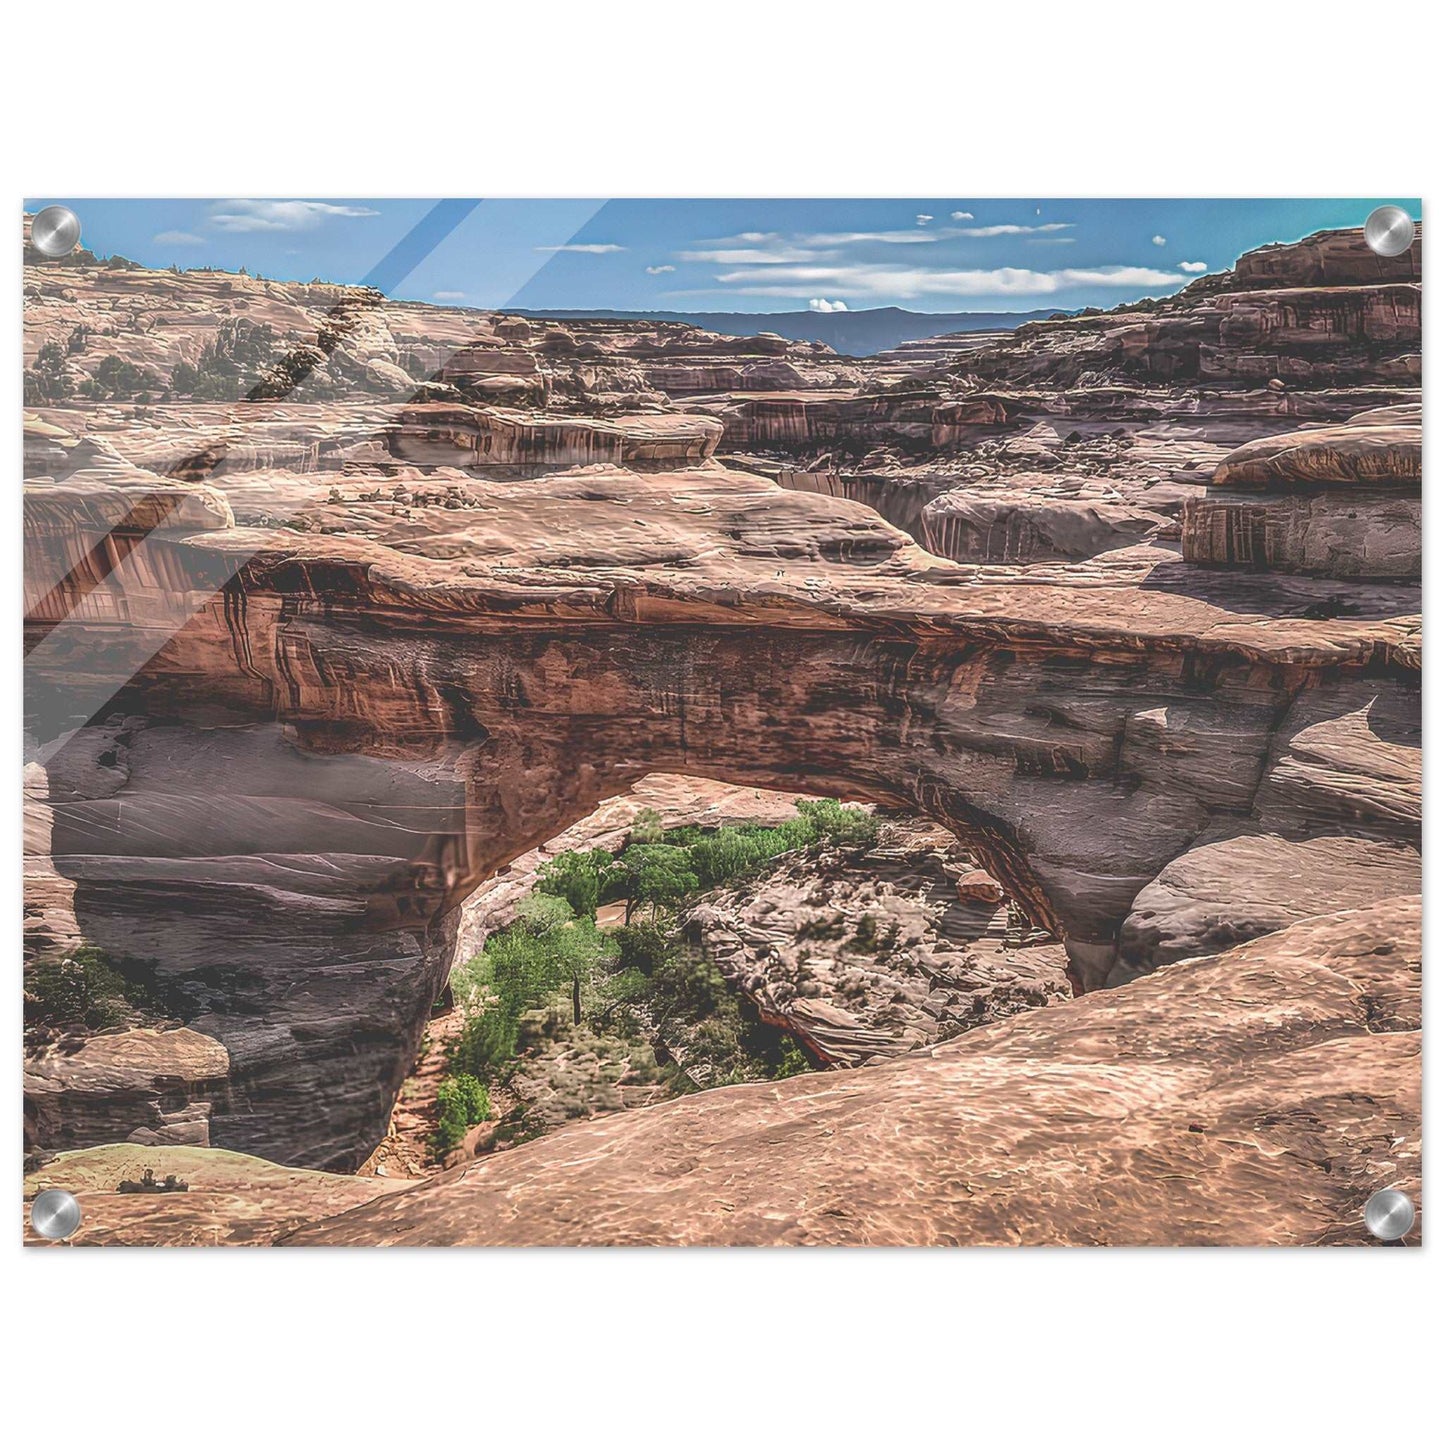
(294, 755)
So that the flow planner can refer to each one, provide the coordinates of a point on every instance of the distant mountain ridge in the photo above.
(850, 333)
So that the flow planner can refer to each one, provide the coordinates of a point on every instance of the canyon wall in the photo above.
(294, 693)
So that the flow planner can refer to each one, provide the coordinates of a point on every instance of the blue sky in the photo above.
(943, 254)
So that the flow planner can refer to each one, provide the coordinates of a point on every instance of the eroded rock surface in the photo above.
(296, 692)
(229, 1199)
(868, 957)
(1257, 1097)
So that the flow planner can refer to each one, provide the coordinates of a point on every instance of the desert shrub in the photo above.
(792, 1060)
(647, 827)
(865, 935)
(117, 379)
(82, 990)
(721, 855)
(462, 1100)
(835, 823)
(48, 380)
(577, 877)
(825, 930)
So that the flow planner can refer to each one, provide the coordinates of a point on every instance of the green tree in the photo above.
(653, 873)
(577, 877)
(462, 1100)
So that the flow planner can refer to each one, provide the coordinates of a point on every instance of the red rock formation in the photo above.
(292, 715)
(1255, 1098)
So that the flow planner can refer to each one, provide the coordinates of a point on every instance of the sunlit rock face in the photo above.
(1341, 501)
(1253, 1098)
(298, 789)
(294, 693)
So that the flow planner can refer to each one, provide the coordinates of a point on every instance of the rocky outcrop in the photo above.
(1335, 502)
(1364, 454)
(1328, 258)
(1032, 522)
(229, 1199)
(1258, 1098)
(868, 957)
(287, 719)
(150, 1086)
(487, 438)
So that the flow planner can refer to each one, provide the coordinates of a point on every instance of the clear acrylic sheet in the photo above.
(722, 722)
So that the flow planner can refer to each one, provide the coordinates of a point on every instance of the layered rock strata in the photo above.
(292, 699)
(1333, 502)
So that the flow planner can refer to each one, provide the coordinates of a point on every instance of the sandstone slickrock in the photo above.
(150, 1085)
(1384, 456)
(230, 1199)
(1258, 1097)
(1335, 501)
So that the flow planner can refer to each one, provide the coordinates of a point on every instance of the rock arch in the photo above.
(338, 737)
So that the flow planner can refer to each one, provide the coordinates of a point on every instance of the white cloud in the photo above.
(909, 283)
(449, 295)
(660, 270)
(769, 248)
(960, 215)
(585, 248)
(1194, 265)
(1160, 241)
(858, 238)
(820, 303)
(178, 238)
(769, 255)
(1010, 230)
(278, 215)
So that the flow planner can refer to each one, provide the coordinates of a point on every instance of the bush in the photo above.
(83, 990)
(577, 877)
(48, 380)
(116, 379)
(792, 1060)
(647, 827)
(847, 827)
(462, 1100)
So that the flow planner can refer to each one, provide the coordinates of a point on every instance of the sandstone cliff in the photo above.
(303, 674)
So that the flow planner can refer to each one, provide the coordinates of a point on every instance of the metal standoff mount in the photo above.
(1389, 231)
(55, 231)
(55, 1214)
(1389, 1214)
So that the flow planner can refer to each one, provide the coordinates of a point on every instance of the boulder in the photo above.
(1376, 457)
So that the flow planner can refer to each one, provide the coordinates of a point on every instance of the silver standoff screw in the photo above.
(55, 1214)
(1389, 1214)
(1389, 231)
(55, 231)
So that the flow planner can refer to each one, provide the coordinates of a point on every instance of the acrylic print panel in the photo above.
(722, 722)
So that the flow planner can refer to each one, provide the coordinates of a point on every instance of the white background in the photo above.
(738, 99)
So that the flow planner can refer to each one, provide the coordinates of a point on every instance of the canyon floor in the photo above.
(346, 618)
